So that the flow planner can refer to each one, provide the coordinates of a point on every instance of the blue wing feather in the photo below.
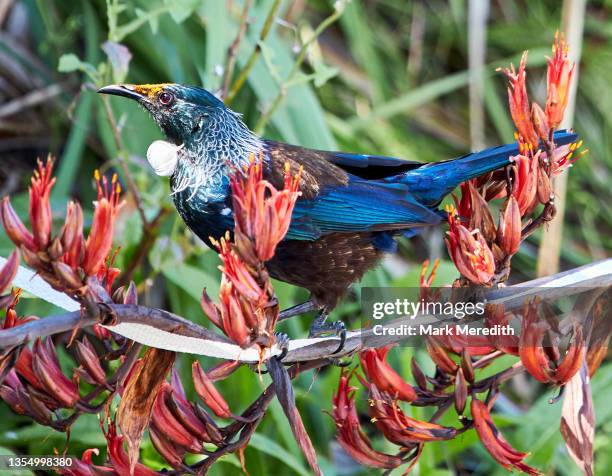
(360, 206)
(375, 199)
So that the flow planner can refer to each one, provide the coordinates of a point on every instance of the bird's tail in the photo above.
(432, 182)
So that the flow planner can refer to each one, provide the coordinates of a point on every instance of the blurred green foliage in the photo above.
(388, 78)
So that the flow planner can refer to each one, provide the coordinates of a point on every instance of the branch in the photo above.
(244, 74)
(122, 156)
(282, 92)
(233, 49)
(163, 329)
(109, 315)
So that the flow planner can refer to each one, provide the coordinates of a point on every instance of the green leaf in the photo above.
(323, 73)
(191, 280)
(271, 448)
(70, 62)
(267, 54)
(220, 32)
(180, 10)
(299, 119)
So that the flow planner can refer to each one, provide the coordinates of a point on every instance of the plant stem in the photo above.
(122, 157)
(233, 49)
(282, 92)
(244, 74)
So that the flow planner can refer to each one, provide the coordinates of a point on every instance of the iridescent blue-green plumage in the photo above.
(352, 205)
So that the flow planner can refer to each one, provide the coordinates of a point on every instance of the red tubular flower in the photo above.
(495, 443)
(233, 321)
(85, 466)
(236, 271)
(208, 393)
(198, 423)
(400, 428)
(173, 431)
(564, 156)
(118, 458)
(440, 357)
(107, 273)
(426, 280)
(23, 366)
(172, 453)
(540, 122)
(519, 101)
(15, 229)
(349, 433)
(71, 235)
(473, 210)
(11, 391)
(12, 319)
(525, 185)
(509, 229)
(9, 270)
(559, 78)
(45, 365)
(100, 239)
(534, 356)
(380, 373)
(261, 212)
(92, 370)
(40, 206)
(469, 251)
(461, 391)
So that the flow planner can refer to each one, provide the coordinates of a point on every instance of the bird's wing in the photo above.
(369, 167)
(359, 206)
(336, 200)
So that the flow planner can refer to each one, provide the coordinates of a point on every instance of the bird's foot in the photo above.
(321, 328)
(297, 310)
(282, 341)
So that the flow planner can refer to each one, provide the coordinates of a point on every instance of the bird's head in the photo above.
(182, 112)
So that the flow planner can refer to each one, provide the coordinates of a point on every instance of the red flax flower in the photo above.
(564, 156)
(247, 311)
(206, 390)
(262, 213)
(40, 206)
(178, 426)
(380, 373)
(474, 211)
(525, 184)
(495, 443)
(118, 457)
(85, 466)
(559, 78)
(40, 370)
(45, 365)
(539, 360)
(519, 102)
(350, 435)
(469, 251)
(7, 274)
(100, 239)
(509, 229)
(15, 229)
(398, 427)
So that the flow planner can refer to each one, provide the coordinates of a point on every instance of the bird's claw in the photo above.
(320, 328)
(282, 341)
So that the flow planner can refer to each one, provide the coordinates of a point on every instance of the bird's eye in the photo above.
(166, 99)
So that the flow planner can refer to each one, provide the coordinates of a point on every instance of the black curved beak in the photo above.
(124, 90)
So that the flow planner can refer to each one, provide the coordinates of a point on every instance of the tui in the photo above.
(352, 205)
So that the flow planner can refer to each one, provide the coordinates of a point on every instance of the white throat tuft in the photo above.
(163, 157)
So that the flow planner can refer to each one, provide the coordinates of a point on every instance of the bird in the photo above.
(352, 206)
